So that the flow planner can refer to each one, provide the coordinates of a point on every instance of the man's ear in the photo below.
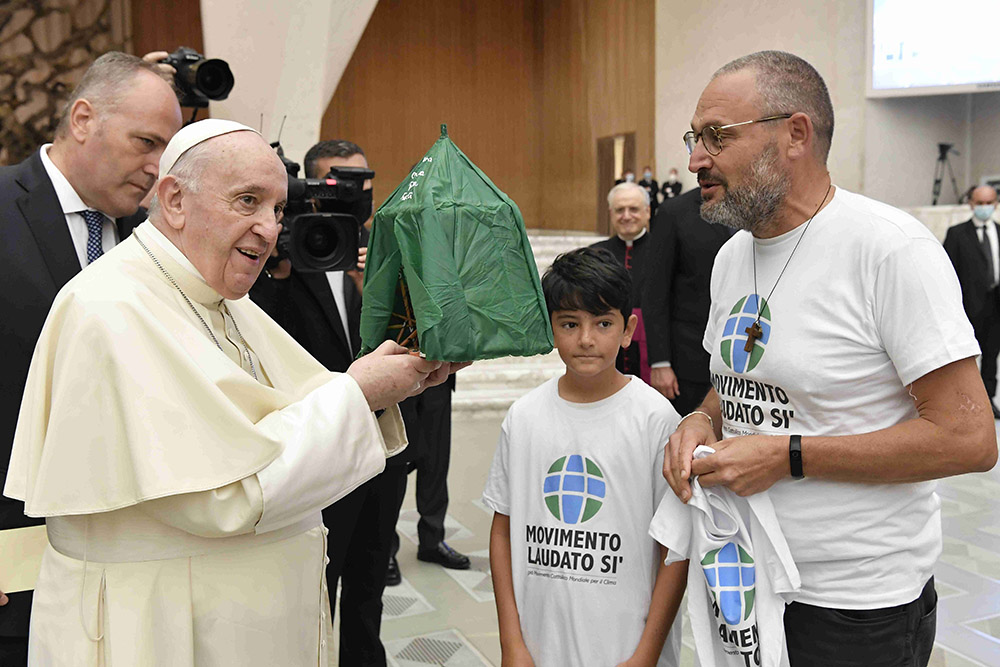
(83, 120)
(801, 135)
(171, 198)
(633, 321)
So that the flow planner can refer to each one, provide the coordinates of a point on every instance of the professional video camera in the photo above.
(323, 217)
(199, 79)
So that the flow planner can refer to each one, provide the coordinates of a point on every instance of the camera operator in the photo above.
(60, 210)
(322, 311)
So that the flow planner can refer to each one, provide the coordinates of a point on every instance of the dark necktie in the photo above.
(984, 243)
(95, 233)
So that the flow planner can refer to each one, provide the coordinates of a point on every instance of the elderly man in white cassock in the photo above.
(181, 445)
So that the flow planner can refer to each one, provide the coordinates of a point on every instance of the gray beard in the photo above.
(754, 204)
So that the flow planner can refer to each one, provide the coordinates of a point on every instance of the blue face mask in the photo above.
(647, 175)
(984, 212)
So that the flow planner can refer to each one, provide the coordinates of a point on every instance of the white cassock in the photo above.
(182, 496)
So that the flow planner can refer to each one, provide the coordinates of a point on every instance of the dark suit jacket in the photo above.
(37, 258)
(676, 292)
(963, 247)
(305, 307)
(641, 255)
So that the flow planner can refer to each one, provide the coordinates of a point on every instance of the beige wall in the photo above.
(526, 87)
(287, 59)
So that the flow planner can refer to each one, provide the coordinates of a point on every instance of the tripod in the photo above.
(942, 163)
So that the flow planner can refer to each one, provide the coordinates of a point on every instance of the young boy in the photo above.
(574, 483)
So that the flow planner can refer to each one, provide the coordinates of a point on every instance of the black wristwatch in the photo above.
(795, 456)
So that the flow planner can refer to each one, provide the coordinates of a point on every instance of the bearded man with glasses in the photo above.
(843, 369)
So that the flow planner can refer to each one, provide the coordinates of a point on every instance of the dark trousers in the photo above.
(14, 629)
(13, 650)
(987, 330)
(428, 428)
(362, 525)
(900, 636)
(691, 395)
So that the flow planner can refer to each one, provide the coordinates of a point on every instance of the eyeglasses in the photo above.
(711, 135)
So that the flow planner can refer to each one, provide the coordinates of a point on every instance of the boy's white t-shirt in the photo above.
(740, 575)
(869, 303)
(580, 483)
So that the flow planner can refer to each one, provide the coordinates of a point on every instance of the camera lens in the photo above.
(321, 241)
(214, 79)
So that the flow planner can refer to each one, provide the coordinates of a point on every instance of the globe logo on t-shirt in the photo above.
(735, 334)
(574, 489)
(731, 578)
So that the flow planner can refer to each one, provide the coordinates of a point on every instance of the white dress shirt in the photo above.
(336, 280)
(71, 205)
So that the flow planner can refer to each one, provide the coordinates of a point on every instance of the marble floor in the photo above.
(443, 617)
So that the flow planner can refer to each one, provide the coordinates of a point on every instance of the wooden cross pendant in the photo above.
(753, 333)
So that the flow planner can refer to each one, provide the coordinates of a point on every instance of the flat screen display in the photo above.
(930, 47)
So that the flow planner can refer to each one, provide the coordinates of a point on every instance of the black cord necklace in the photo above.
(754, 331)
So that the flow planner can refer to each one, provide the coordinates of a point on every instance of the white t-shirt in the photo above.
(740, 576)
(580, 483)
(868, 304)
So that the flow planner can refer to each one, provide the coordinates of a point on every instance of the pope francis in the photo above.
(180, 445)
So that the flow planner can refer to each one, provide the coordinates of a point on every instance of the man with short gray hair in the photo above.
(824, 395)
(182, 468)
(629, 207)
(60, 210)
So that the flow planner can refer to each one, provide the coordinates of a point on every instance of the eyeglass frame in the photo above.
(695, 137)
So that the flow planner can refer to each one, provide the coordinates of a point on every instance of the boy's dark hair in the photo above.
(588, 279)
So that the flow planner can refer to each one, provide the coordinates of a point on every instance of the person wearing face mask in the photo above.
(628, 176)
(973, 249)
(671, 186)
(652, 187)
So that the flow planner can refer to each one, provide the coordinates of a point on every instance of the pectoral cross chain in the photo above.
(753, 333)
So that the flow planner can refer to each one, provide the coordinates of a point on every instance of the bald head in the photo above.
(983, 195)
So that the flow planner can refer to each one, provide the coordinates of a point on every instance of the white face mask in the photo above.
(629, 178)
(984, 212)
(672, 178)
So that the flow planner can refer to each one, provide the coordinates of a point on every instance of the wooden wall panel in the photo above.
(526, 87)
(598, 73)
(163, 25)
(469, 63)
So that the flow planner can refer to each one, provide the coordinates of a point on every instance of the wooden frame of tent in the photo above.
(407, 322)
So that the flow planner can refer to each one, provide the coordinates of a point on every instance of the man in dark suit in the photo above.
(60, 210)
(973, 249)
(671, 187)
(676, 297)
(629, 210)
(322, 311)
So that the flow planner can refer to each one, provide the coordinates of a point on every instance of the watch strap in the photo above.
(795, 456)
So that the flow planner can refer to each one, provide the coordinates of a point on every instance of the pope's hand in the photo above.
(677, 455)
(391, 373)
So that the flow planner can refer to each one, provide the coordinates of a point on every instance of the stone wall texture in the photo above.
(45, 47)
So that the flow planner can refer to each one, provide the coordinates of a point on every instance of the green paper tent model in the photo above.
(449, 270)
